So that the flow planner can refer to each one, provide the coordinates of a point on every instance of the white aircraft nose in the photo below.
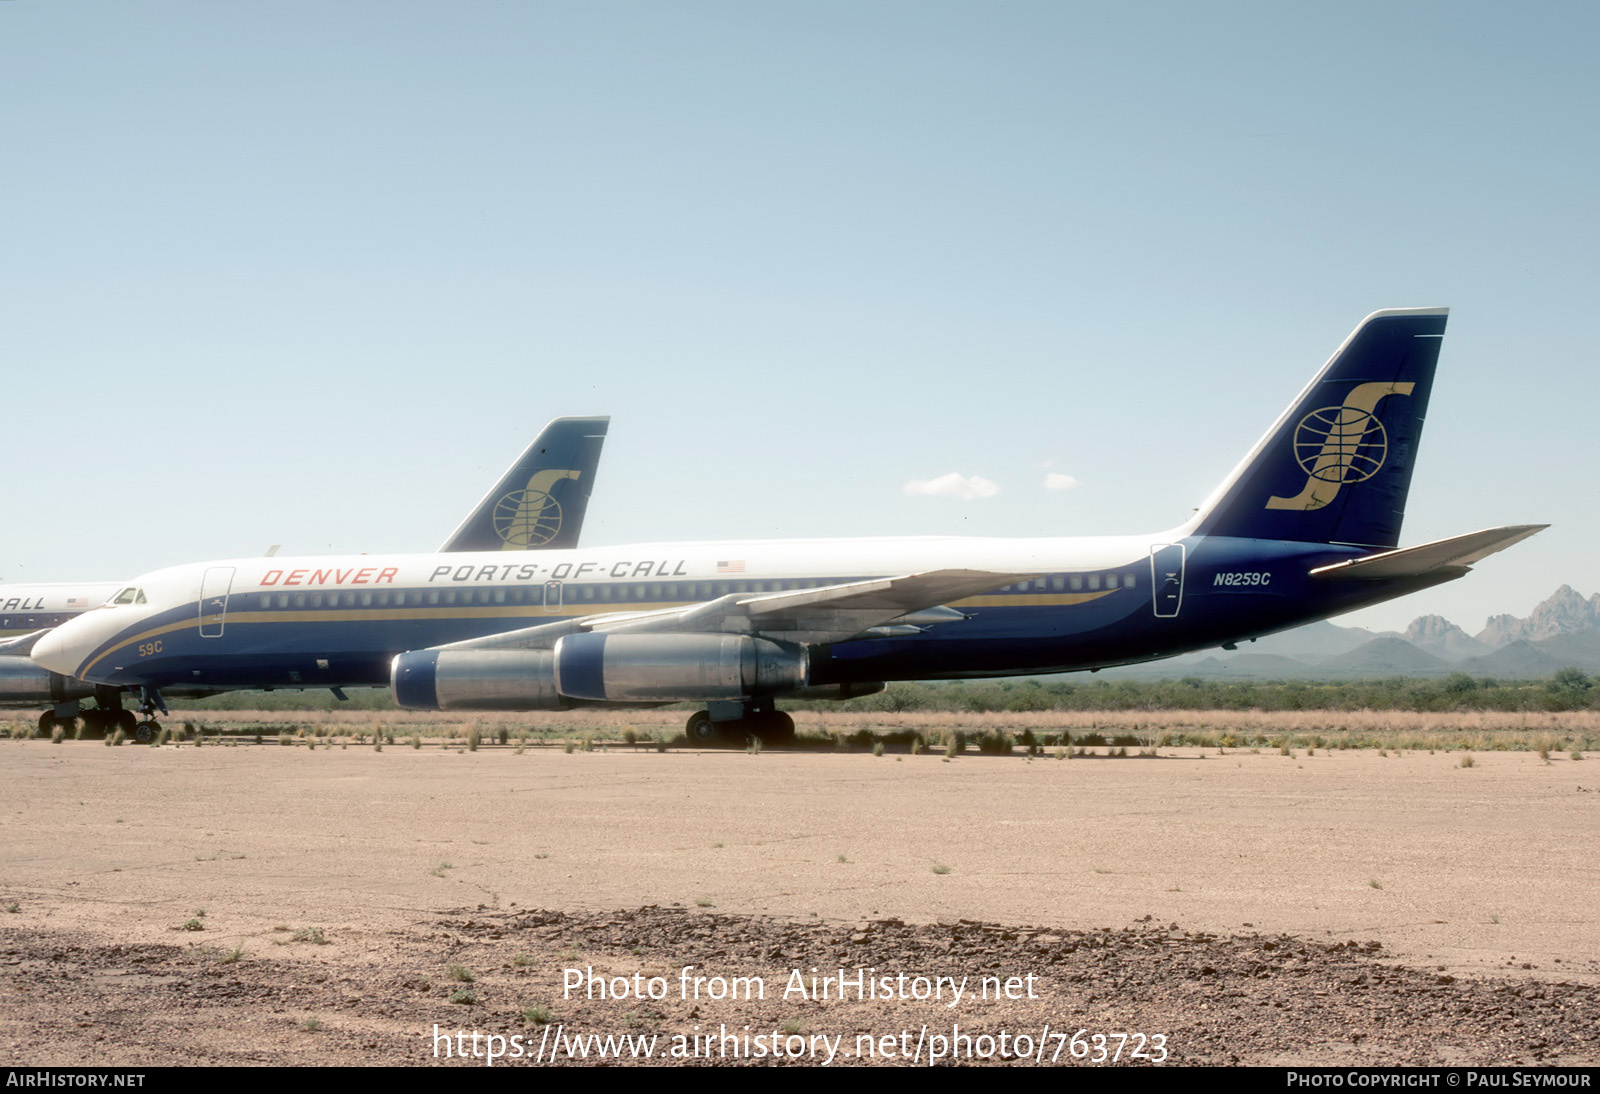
(54, 652)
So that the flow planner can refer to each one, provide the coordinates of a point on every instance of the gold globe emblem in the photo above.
(527, 518)
(1340, 444)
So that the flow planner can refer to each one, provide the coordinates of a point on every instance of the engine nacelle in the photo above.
(23, 681)
(836, 692)
(611, 668)
(475, 680)
(631, 668)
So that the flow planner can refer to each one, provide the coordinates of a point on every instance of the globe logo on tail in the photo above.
(530, 517)
(527, 518)
(1340, 444)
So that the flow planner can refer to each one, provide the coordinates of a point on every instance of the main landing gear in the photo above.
(60, 716)
(108, 716)
(100, 720)
(107, 720)
(724, 723)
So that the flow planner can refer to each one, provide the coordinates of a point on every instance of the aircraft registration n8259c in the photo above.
(1307, 526)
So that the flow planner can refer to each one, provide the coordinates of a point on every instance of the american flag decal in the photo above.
(77, 602)
(732, 566)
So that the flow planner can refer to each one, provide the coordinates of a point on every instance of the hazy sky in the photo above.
(312, 274)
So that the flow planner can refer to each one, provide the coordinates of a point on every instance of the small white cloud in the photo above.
(954, 485)
(1055, 480)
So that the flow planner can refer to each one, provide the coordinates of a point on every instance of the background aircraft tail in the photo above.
(540, 501)
(1336, 467)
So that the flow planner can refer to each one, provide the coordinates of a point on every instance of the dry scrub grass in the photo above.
(1482, 731)
(1487, 731)
(1134, 722)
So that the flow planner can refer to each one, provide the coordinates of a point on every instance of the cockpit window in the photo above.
(130, 595)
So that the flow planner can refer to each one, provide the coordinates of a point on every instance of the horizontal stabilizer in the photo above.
(1458, 552)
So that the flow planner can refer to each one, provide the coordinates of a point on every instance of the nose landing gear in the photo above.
(147, 727)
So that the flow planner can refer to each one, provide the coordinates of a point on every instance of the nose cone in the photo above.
(57, 652)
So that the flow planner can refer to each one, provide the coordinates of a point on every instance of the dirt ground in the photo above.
(286, 905)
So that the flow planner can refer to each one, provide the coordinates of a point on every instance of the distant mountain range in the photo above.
(1563, 630)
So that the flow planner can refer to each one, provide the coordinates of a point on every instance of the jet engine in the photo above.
(631, 668)
(22, 681)
(475, 680)
(611, 668)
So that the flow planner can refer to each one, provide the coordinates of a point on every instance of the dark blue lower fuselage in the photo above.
(1217, 590)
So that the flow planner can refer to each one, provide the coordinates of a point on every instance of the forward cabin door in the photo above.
(214, 600)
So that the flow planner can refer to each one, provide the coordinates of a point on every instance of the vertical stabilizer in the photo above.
(1336, 467)
(540, 501)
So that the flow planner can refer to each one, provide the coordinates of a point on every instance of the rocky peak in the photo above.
(1501, 630)
(1440, 637)
(1564, 611)
(1426, 627)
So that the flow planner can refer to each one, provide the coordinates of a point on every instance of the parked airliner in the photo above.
(538, 504)
(1307, 526)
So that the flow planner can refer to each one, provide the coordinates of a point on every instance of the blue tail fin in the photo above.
(540, 501)
(1336, 467)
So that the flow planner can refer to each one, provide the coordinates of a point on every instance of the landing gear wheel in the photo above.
(47, 722)
(125, 721)
(701, 730)
(145, 732)
(775, 728)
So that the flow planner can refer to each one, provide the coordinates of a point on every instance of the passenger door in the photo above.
(214, 600)
(1166, 579)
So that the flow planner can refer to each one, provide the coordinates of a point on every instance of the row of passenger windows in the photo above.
(27, 623)
(634, 592)
(1076, 583)
(651, 591)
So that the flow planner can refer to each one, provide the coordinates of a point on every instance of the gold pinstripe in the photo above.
(367, 615)
(1035, 601)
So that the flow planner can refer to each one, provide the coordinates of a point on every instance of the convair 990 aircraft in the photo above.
(26, 611)
(538, 504)
(1307, 526)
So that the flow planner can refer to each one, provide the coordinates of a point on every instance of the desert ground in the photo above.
(256, 903)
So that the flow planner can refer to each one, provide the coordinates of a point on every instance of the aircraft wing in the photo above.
(1457, 553)
(22, 644)
(832, 613)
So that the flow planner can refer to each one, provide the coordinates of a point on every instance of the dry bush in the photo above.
(1478, 731)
